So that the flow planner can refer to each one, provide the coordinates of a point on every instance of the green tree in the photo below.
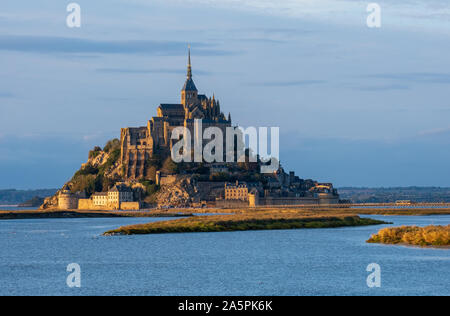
(94, 152)
(113, 158)
(86, 170)
(154, 161)
(112, 145)
(85, 183)
(169, 166)
(150, 173)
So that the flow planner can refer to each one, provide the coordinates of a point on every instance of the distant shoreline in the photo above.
(55, 213)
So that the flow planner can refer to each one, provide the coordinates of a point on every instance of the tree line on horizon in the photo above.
(391, 195)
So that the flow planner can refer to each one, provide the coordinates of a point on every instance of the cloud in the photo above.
(91, 137)
(263, 35)
(48, 45)
(434, 132)
(419, 77)
(285, 32)
(148, 71)
(292, 83)
(428, 16)
(387, 87)
(332, 9)
(6, 95)
(261, 40)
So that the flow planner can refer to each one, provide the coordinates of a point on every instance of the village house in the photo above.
(115, 196)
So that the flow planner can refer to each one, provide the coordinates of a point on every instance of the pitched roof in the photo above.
(167, 106)
(100, 194)
(172, 110)
(189, 85)
(120, 188)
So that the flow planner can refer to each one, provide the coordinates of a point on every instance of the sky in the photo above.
(356, 106)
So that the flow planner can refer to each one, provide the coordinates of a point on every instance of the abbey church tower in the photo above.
(189, 93)
(139, 144)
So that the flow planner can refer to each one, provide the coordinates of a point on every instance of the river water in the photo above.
(35, 255)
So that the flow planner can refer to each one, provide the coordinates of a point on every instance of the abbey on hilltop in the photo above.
(137, 171)
(139, 144)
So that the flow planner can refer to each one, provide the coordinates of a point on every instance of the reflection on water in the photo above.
(35, 254)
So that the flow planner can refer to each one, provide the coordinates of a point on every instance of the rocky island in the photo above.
(138, 171)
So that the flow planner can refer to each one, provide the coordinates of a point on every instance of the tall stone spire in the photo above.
(189, 84)
(189, 70)
(189, 93)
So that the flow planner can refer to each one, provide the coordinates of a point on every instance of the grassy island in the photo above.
(434, 236)
(243, 222)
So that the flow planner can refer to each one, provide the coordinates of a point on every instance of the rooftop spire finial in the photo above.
(189, 71)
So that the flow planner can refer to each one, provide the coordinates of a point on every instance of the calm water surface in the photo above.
(35, 254)
(15, 208)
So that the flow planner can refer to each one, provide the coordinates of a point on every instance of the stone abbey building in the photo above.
(196, 184)
(138, 144)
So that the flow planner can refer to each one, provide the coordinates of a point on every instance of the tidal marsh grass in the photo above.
(268, 220)
(413, 235)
